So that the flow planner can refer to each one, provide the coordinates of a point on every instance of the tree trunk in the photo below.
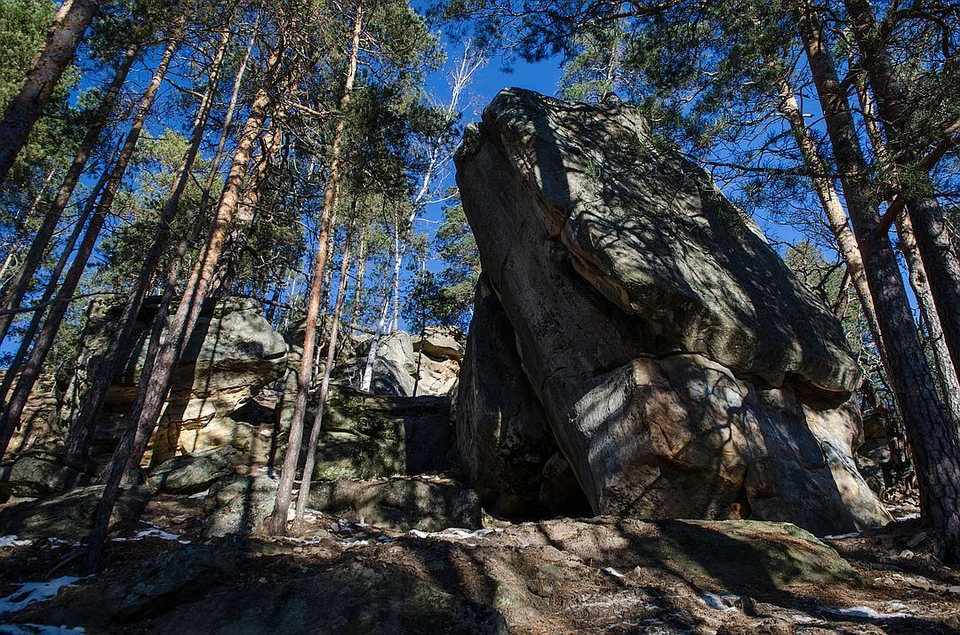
(928, 428)
(83, 424)
(229, 266)
(832, 208)
(49, 65)
(45, 341)
(19, 235)
(278, 520)
(205, 195)
(36, 320)
(303, 498)
(946, 373)
(156, 378)
(356, 309)
(21, 283)
(933, 236)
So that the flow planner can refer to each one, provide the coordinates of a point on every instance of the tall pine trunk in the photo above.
(229, 267)
(928, 428)
(82, 426)
(940, 260)
(303, 497)
(356, 307)
(278, 519)
(21, 282)
(155, 379)
(36, 321)
(58, 310)
(946, 373)
(832, 208)
(57, 52)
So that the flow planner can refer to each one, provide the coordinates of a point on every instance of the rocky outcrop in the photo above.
(399, 503)
(681, 368)
(233, 354)
(406, 365)
(504, 440)
(238, 505)
(371, 436)
(359, 599)
(36, 473)
(193, 473)
(70, 516)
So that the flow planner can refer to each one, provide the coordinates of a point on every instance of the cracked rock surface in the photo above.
(649, 337)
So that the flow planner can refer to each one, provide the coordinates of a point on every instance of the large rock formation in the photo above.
(232, 355)
(678, 365)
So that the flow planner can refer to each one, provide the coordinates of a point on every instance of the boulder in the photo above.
(192, 473)
(70, 516)
(399, 503)
(36, 474)
(238, 505)
(369, 436)
(404, 366)
(355, 599)
(736, 554)
(232, 355)
(436, 377)
(681, 367)
(441, 342)
(252, 441)
(373, 436)
(394, 367)
(504, 440)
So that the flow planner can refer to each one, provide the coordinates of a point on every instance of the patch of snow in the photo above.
(152, 532)
(716, 602)
(454, 533)
(32, 592)
(804, 619)
(198, 495)
(619, 601)
(908, 516)
(612, 572)
(356, 543)
(38, 629)
(852, 534)
(13, 541)
(866, 612)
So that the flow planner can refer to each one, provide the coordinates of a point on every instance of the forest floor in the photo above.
(559, 576)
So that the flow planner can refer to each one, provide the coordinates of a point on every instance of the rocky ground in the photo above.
(598, 575)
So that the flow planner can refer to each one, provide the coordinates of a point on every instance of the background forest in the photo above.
(299, 152)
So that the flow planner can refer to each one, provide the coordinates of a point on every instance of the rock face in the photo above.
(36, 473)
(192, 473)
(238, 505)
(233, 353)
(371, 436)
(70, 516)
(354, 599)
(399, 503)
(681, 368)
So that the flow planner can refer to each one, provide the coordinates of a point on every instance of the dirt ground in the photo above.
(560, 576)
